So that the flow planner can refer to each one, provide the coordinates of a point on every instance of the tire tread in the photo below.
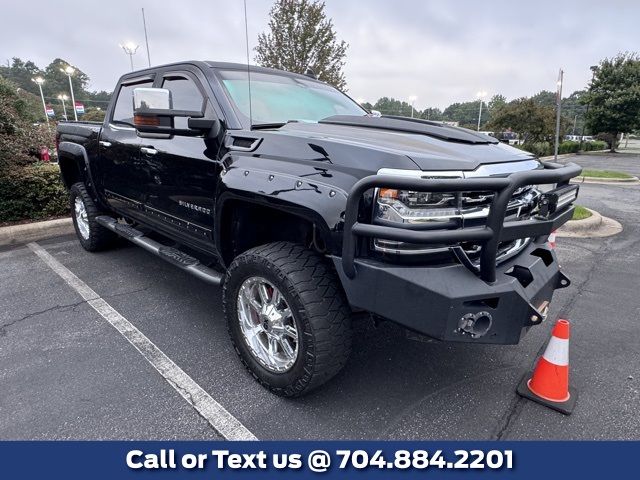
(317, 286)
(100, 238)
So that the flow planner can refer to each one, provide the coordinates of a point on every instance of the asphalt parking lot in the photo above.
(66, 373)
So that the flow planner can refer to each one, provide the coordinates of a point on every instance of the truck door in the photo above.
(120, 168)
(182, 170)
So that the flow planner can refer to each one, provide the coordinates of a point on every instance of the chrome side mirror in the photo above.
(146, 99)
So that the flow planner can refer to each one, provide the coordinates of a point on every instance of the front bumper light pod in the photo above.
(556, 199)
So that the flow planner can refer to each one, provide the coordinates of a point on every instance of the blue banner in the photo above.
(270, 460)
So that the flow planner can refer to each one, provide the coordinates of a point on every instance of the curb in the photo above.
(564, 155)
(584, 225)
(31, 232)
(574, 154)
(594, 226)
(606, 181)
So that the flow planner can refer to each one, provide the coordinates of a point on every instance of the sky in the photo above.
(438, 51)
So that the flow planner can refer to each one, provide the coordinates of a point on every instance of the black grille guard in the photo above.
(489, 236)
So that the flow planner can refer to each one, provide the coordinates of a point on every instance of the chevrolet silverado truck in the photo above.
(311, 211)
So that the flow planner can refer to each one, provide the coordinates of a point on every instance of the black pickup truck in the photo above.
(310, 210)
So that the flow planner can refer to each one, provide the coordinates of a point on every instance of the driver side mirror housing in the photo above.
(153, 112)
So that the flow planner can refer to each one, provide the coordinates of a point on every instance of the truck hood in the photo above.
(429, 146)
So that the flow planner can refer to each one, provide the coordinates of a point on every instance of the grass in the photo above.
(604, 174)
(580, 213)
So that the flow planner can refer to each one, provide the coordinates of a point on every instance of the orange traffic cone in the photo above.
(549, 384)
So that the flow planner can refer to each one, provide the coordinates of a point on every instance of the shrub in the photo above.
(596, 145)
(545, 149)
(32, 192)
(541, 149)
(20, 139)
(609, 139)
(568, 147)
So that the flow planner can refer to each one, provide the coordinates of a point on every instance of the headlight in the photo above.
(405, 206)
(436, 209)
(446, 210)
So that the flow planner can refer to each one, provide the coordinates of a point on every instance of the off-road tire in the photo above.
(100, 238)
(321, 312)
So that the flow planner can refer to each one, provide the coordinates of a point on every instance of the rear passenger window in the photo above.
(184, 94)
(123, 111)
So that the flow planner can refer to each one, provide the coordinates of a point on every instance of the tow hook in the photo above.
(475, 325)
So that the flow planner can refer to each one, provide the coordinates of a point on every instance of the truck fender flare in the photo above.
(254, 198)
(78, 154)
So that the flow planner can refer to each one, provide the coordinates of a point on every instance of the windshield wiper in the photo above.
(260, 126)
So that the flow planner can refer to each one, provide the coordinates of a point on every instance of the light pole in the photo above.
(594, 69)
(412, 99)
(558, 108)
(146, 38)
(480, 96)
(40, 81)
(62, 98)
(130, 49)
(69, 70)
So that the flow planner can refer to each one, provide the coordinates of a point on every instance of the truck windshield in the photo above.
(277, 99)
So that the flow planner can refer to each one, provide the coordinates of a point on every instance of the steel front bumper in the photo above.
(442, 301)
(488, 302)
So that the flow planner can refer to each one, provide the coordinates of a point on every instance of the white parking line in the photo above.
(220, 419)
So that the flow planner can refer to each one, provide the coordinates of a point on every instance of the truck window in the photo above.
(184, 94)
(123, 111)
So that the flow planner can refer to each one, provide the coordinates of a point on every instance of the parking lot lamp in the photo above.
(69, 71)
(593, 69)
(39, 81)
(558, 108)
(412, 99)
(62, 98)
(481, 95)
(130, 49)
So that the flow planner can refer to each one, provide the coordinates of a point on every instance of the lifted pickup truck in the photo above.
(309, 209)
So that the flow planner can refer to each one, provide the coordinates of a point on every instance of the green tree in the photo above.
(57, 82)
(466, 114)
(432, 113)
(391, 106)
(301, 37)
(94, 115)
(525, 116)
(545, 98)
(496, 103)
(97, 99)
(614, 97)
(20, 139)
(20, 73)
(573, 109)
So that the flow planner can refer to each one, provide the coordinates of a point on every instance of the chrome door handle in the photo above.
(104, 144)
(148, 150)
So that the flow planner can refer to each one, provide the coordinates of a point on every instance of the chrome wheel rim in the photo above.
(81, 218)
(267, 325)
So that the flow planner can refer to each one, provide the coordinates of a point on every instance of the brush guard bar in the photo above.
(489, 236)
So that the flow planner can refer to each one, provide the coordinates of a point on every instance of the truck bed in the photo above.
(83, 129)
